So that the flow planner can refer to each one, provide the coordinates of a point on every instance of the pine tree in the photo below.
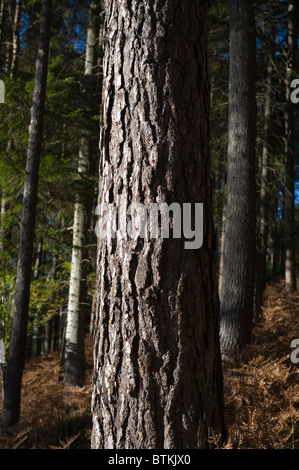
(238, 267)
(290, 259)
(157, 371)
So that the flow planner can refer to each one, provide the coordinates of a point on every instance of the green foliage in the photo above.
(46, 298)
(7, 288)
(66, 120)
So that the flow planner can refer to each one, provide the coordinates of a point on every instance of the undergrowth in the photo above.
(262, 387)
(261, 391)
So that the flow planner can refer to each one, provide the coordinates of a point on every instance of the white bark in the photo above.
(73, 362)
(74, 336)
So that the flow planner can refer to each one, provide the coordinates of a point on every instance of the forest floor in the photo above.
(261, 391)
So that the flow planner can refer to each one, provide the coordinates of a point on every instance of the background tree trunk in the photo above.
(15, 35)
(1, 30)
(263, 224)
(12, 398)
(157, 370)
(2, 216)
(222, 244)
(238, 269)
(290, 259)
(74, 336)
(75, 326)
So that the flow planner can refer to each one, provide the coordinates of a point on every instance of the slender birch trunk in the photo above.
(13, 39)
(74, 348)
(74, 336)
(16, 36)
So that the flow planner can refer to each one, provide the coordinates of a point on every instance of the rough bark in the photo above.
(238, 269)
(289, 214)
(12, 399)
(157, 367)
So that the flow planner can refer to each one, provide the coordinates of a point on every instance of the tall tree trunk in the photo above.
(1, 30)
(54, 345)
(12, 398)
(8, 15)
(13, 39)
(222, 244)
(48, 337)
(238, 269)
(39, 337)
(2, 216)
(290, 258)
(157, 369)
(263, 227)
(15, 36)
(74, 340)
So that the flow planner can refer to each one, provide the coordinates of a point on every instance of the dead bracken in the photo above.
(261, 392)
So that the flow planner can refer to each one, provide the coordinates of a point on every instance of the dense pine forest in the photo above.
(149, 220)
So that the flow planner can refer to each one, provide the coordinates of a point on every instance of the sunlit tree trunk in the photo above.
(157, 369)
(15, 35)
(74, 337)
(13, 40)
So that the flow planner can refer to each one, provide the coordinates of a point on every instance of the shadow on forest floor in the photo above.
(261, 391)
